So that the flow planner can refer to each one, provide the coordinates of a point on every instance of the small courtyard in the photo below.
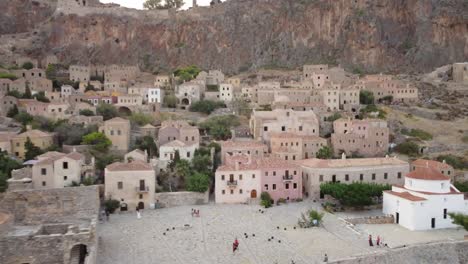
(209, 238)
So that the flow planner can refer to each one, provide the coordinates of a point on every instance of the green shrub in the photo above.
(206, 106)
(187, 73)
(366, 97)
(27, 65)
(219, 127)
(198, 182)
(409, 148)
(460, 219)
(356, 194)
(325, 153)
(265, 200)
(457, 162)
(418, 133)
(5, 75)
(111, 205)
(333, 117)
(86, 112)
(461, 186)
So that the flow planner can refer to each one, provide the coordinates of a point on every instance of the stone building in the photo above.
(30, 74)
(254, 149)
(49, 226)
(188, 93)
(118, 131)
(460, 72)
(40, 85)
(129, 100)
(149, 130)
(167, 152)
(178, 130)
(6, 103)
(226, 92)
(241, 179)
(384, 86)
(424, 201)
(293, 146)
(441, 167)
(57, 110)
(262, 123)
(368, 137)
(5, 141)
(136, 154)
(132, 183)
(162, 81)
(388, 170)
(58, 170)
(39, 138)
(33, 107)
(117, 73)
(80, 73)
(86, 120)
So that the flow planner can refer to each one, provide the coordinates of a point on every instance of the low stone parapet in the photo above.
(173, 199)
(372, 220)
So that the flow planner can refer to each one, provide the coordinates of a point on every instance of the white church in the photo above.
(424, 201)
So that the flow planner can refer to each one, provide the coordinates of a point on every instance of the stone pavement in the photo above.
(125, 239)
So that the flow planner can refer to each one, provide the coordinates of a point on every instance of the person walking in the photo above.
(378, 241)
(107, 215)
(371, 244)
(138, 214)
(235, 245)
(325, 258)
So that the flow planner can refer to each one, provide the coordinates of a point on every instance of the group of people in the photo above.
(378, 242)
(195, 213)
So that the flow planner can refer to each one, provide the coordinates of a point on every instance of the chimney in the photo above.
(343, 156)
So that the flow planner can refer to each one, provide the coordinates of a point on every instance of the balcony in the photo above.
(287, 178)
(141, 189)
(232, 184)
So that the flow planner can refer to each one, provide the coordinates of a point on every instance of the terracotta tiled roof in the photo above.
(132, 166)
(33, 134)
(452, 191)
(431, 164)
(175, 143)
(264, 163)
(242, 144)
(429, 174)
(118, 119)
(343, 163)
(51, 156)
(407, 196)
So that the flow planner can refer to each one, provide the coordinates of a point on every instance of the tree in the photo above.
(24, 118)
(409, 148)
(198, 182)
(325, 153)
(366, 97)
(147, 143)
(72, 134)
(32, 151)
(141, 119)
(460, 219)
(183, 169)
(86, 112)
(40, 96)
(202, 163)
(107, 111)
(8, 164)
(265, 199)
(98, 140)
(15, 94)
(27, 93)
(3, 182)
(111, 205)
(219, 127)
(13, 111)
(206, 106)
(170, 101)
(356, 194)
(157, 4)
(187, 73)
(6, 75)
(27, 65)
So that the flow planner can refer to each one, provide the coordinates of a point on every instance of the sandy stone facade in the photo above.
(388, 170)
(368, 137)
(460, 72)
(292, 146)
(118, 131)
(255, 149)
(178, 130)
(133, 184)
(41, 139)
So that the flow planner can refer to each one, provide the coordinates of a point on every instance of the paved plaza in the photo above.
(209, 238)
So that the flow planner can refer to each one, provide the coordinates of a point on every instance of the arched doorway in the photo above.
(185, 101)
(78, 254)
(123, 207)
(253, 194)
(141, 205)
(125, 111)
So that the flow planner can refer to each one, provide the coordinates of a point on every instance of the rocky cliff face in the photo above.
(377, 35)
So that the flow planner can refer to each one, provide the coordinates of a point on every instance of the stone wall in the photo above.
(447, 253)
(31, 207)
(172, 199)
(373, 220)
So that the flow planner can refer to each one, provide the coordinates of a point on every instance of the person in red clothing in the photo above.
(235, 245)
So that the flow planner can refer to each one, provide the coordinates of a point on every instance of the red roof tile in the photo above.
(406, 196)
(429, 174)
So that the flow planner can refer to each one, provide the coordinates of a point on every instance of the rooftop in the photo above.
(406, 196)
(242, 144)
(33, 134)
(132, 166)
(427, 173)
(263, 163)
(344, 163)
(431, 164)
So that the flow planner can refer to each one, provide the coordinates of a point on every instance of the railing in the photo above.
(142, 189)
(231, 183)
(287, 178)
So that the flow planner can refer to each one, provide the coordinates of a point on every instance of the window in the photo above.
(274, 186)
(223, 192)
(253, 176)
(361, 177)
(346, 177)
(283, 128)
(119, 132)
(295, 185)
(287, 186)
(445, 213)
(265, 128)
(120, 185)
(141, 196)
(321, 178)
(266, 173)
(240, 177)
(65, 165)
(266, 187)
(399, 175)
(232, 191)
(65, 178)
(373, 176)
(43, 171)
(188, 154)
(112, 132)
(385, 175)
(43, 183)
(274, 173)
(240, 191)
(222, 177)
